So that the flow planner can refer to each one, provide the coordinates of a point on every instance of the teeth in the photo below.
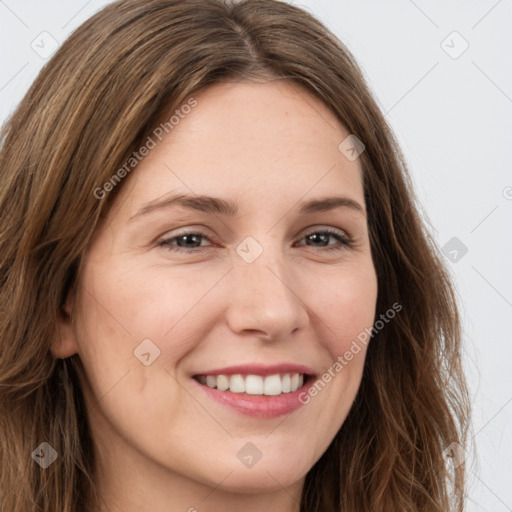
(222, 382)
(236, 384)
(295, 381)
(286, 383)
(254, 385)
(271, 385)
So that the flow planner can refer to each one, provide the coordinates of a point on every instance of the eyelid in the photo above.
(187, 230)
(324, 228)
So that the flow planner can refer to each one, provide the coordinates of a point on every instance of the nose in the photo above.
(262, 300)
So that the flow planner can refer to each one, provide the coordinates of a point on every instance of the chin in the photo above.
(266, 475)
(260, 480)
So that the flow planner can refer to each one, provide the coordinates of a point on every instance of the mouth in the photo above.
(257, 391)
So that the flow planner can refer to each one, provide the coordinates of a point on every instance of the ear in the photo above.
(66, 345)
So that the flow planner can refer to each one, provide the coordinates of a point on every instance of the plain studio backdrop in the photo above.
(441, 73)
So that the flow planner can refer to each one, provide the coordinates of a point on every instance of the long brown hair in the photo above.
(90, 108)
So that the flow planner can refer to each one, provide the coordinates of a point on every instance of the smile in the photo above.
(256, 390)
(270, 385)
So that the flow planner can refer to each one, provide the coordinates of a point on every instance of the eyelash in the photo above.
(345, 241)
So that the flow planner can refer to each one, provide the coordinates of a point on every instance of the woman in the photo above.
(302, 354)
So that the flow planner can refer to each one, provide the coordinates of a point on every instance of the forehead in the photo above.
(253, 142)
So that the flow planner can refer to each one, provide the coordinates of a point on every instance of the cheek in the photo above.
(118, 313)
(346, 304)
(140, 303)
(121, 306)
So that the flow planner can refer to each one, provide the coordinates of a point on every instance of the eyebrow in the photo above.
(216, 205)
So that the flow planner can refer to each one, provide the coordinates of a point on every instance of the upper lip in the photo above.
(260, 369)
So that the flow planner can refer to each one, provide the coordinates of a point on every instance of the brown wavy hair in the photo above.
(91, 106)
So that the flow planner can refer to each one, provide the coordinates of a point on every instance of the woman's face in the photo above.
(172, 291)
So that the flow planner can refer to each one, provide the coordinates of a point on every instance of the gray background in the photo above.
(451, 110)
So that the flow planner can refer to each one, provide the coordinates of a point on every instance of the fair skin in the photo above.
(162, 444)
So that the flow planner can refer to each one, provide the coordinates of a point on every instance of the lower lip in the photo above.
(260, 406)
